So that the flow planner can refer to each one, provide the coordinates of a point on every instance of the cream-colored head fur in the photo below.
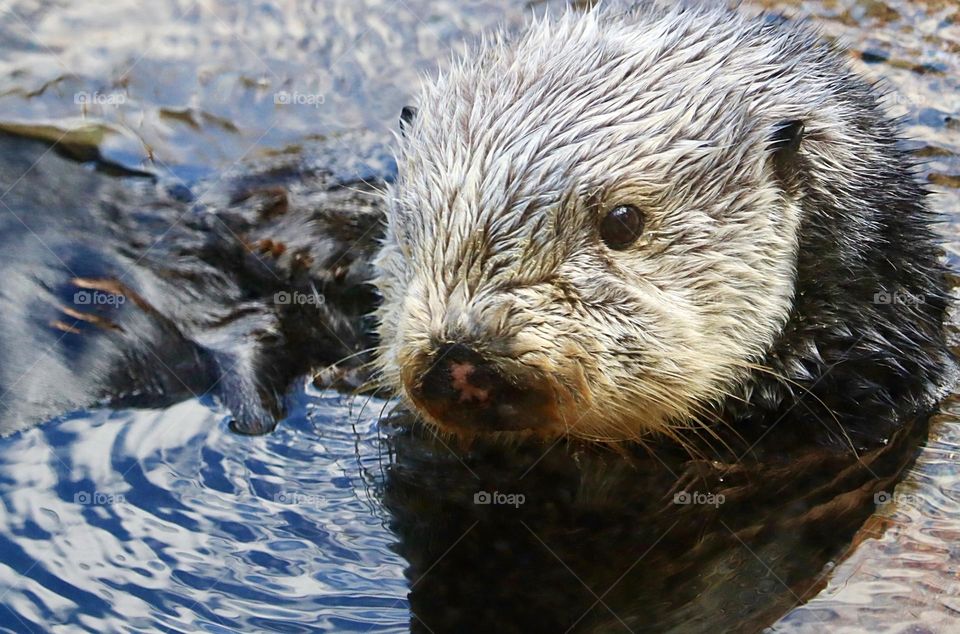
(515, 155)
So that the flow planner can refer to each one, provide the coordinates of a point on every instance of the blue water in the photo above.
(165, 520)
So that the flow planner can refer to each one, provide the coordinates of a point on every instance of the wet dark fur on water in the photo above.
(864, 345)
(753, 545)
(865, 342)
(126, 292)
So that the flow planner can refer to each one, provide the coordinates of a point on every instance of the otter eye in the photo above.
(621, 227)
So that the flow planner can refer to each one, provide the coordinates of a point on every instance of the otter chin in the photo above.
(629, 222)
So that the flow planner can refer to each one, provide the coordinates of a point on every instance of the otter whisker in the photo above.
(809, 392)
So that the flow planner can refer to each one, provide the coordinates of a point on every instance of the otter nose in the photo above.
(459, 387)
(460, 377)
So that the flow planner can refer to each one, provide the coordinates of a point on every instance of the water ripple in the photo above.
(167, 520)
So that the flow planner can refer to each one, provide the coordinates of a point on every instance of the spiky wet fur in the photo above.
(751, 295)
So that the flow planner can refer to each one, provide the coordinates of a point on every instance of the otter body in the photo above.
(116, 293)
(631, 222)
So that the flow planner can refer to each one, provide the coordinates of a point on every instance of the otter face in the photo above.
(590, 233)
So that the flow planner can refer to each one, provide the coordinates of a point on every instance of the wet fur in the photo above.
(198, 275)
(751, 298)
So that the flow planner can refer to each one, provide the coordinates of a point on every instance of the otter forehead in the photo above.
(580, 105)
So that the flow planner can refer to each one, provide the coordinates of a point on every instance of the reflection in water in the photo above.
(166, 519)
(606, 542)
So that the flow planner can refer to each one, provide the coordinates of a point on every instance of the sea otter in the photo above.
(627, 221)
(138, 292)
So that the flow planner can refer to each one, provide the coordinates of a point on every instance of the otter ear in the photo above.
(407, 115)
(784, 144)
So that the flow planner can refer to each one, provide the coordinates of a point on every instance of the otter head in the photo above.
(592, 230)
